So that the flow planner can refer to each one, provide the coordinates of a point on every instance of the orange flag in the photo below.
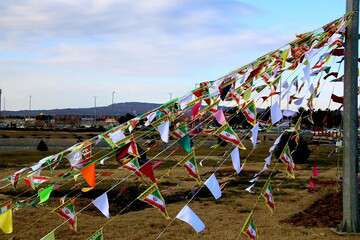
(89, 174)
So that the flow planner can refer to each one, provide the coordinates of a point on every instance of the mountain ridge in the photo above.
(116, 109)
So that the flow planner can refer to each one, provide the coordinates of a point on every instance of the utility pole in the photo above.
(112, 102)
(0, 102)
(30, 106)
(350, 223)
(95, 110)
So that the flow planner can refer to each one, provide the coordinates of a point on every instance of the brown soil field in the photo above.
(299, 214)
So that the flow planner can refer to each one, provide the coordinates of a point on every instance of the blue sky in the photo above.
(64, 52)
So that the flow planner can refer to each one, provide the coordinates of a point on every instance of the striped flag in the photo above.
(153, 197)
(249, 228)
(114, 137)
(227, 134)
(35, 181)
(67, 212)
(250, 113)
(190, 164)
(133, 166)
(268, 197)
(286, 158)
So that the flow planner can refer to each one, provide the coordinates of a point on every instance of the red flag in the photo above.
(312, 185)
(315, 169)
(128, 150)
(338, 52)
(146, 166)
(195, 109)
(254, 73)
(337, 99)
(148, 170)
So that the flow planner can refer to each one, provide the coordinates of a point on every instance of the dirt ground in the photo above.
(299, 214)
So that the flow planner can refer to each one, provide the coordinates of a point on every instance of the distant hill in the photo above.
(117, 109)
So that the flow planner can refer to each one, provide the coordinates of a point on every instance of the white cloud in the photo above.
(87, 46)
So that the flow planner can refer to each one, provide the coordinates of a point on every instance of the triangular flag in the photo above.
(114, 137)
(312, 184)
(150, 118)
(254, 136)
(98, 235)
(289, 113)
(235, 157)
(67, 212)
(6, 224)
(249, 228)
(49, 236)
(195, 110)
(102, 203)
(184, 101)
(190, 164)
(268, 197)
(146, 166)
(44, 194)
(227, 134)
(276, 114)
(220, 117)
(153, 196)
(185, 143)
(163, 129)
(250, 189)
(299, 101)
(214, 89)
(315, 170)
(187, 215)
(213, 185)
(89, 174)
(250, 113)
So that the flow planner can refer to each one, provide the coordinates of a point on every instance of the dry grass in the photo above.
(223, 218)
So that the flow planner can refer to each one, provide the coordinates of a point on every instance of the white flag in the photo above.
(272, 148)
(213, 185)
(276, 114)
(164, 129)
(299, 101)
(255, 179)
(251, 188)
(184, 101)
(187, 215)
(38, 165)
(116, 136)
(254, 134)
(235, 157)
(285, 85)
(306, 70)
(288, 113)
(214, 89)
(102, 203)
(102, 161)
(150, 118)
(75, 157)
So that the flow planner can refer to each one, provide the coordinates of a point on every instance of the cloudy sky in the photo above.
(64, 52)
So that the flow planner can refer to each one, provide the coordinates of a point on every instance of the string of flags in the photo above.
(183, 119)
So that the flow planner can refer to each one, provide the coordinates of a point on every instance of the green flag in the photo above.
(44, 194)
(49, 236)
(185, 143)
(98, 235)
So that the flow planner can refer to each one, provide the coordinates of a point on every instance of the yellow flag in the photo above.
(6, 224)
